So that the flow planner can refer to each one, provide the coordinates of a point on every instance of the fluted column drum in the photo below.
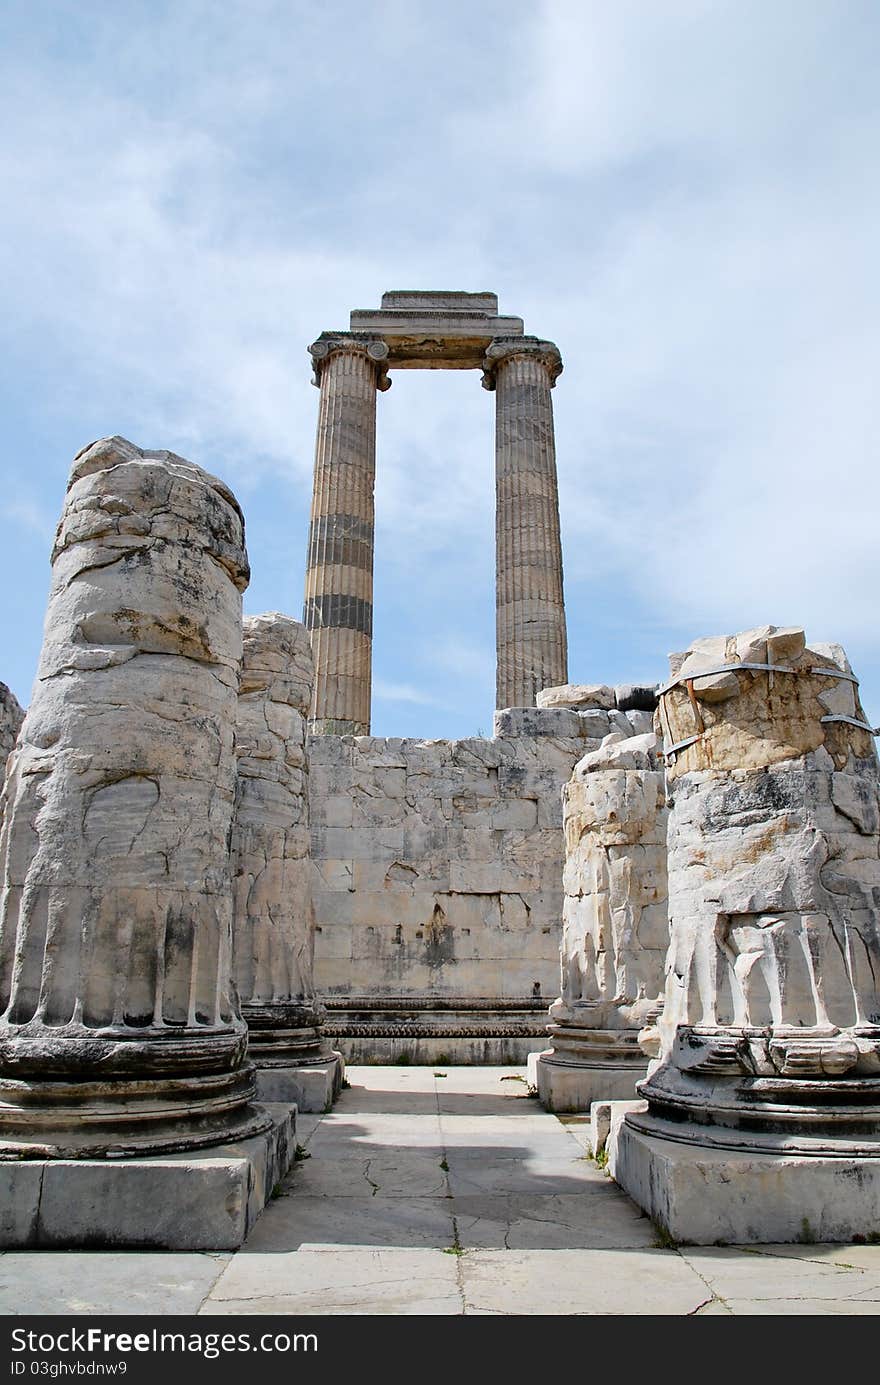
(338, 608)
(532, 648)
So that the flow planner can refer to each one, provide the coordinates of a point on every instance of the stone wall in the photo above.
(438, 878)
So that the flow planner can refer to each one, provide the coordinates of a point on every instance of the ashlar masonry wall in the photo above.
(438, 865)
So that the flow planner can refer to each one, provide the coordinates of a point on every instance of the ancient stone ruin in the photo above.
(120, 1034)
(274, 926)
(763, 1118)
(433, 331)
(215, 884)
(614, 925)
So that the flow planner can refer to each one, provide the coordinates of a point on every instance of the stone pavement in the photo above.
(424, 1193)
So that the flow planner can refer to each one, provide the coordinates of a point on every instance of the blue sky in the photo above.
(683, 194)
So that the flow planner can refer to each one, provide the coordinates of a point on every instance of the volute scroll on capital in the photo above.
(374, 349)
(504, 349)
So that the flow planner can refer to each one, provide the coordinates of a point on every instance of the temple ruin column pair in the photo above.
(531, 646)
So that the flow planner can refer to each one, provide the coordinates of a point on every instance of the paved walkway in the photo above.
(447, 1192)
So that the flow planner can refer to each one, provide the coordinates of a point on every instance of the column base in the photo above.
(705, 1196)
(311, 1087)
(587, 1065)
(201, 1200)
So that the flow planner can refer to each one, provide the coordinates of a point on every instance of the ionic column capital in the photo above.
(505, 349)
(328, 344)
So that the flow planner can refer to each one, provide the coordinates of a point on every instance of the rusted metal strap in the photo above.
(671, 751)
(732, 668)
(851, 721)
(836, 673)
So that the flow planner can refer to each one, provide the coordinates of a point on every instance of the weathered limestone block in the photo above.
(274, 926)
(438, 880)
(614, 926)
(118, 1029)
(11, 718)
(770, 1035)
(578, 695)
(559, 722)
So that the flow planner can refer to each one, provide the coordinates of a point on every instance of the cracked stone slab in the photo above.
(560, 1222)
(386, 1173)
(735, 1274)
(319, 1223)
(555, 1282)
(135, 1282)
(373, 1281)
(801, 1307)
(478, 1173)
(850, 1257)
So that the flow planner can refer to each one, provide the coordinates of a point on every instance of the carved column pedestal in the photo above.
(274, 929)
(614, 928)
(119, 1032)
(763, 1120)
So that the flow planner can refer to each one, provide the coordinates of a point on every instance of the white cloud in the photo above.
(401, 692)
(680, 194)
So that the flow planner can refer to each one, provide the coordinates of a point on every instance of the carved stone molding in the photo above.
(504, 349)
(374, 349)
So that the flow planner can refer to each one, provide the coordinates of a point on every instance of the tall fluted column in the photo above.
(532, 648)
(338, 609)
(119, 1031)
(274, 925)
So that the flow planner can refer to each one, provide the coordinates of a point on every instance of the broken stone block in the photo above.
(119, 1028)
(767, 1083)
(614, 813)
(11, 718)
(274, 924)
(579, 696)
